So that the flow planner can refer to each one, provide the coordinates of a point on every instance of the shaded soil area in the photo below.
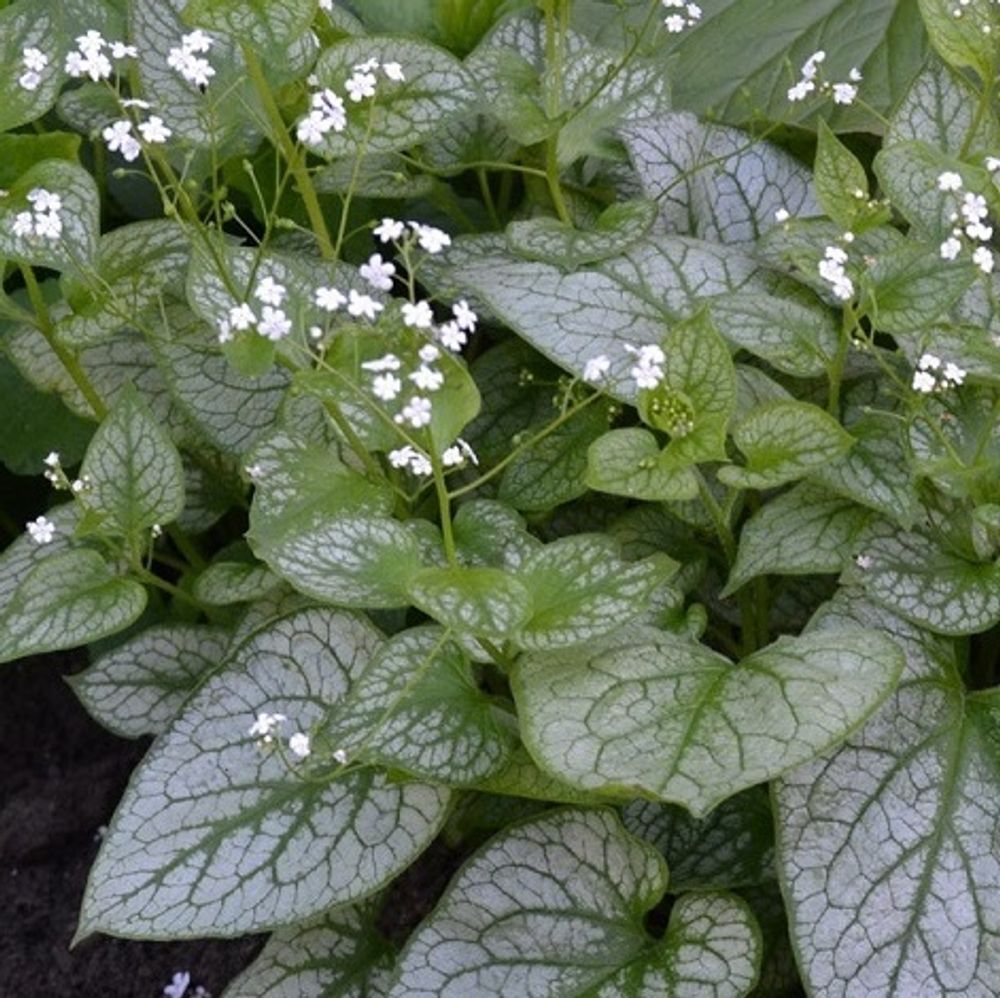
(61, 776)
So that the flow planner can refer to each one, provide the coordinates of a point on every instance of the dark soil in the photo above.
(61, 776)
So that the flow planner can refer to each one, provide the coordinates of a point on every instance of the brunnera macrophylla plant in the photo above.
(490, 440)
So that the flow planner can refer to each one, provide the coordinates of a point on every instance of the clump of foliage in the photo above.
(568, 431)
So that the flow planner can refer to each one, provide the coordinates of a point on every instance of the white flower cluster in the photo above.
(42, 530)
(930, 376)
(266, 727)
(327, 114)
(831, 269)
(90, 60)
(34, 62)
(58, 478)
(683, 15)
(810, 82)
(272, 323)
(971, 218)
(187, 60)
(44, 220)
(419, 464)
(429, 238)
(648, 368)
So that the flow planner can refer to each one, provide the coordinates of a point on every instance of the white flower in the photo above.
(154, 130)
(428, 353)
(316, 332)
(394, 71)
(378, 272)
(254, 471)
(42, 530)
(48, 226)
(242, 317)
(93, 63)
(184, 61)
(340, 756)
(401, 457)
(274, 324)
(431, 239)
(265, 726)
(950, 248)
(32, 58)
(178, 986)
(953, 374)
(142, 105)
(451, 336)
(386, 386)
(452, 456)
(949, 181)
(974, 208)
(801, 90)
(360, 86)
(863, 561)
(23, 224)
(30, 79)
(464, 316)
(327, 113)
(418, 315)
(329, 299)
(416, 412)
(389, 230)
(299, 744)
(831, 269)
(675, 23)
(993, 163)
(197, 41)
(119, 50)
(91, 43)
(928, 362)
(923, 381)
(855, 75)
(389, 362)
(269, 291)
(782, 215)
(368, 66)
(119, 138)
(811, 66)
(417, 462)
(363, 305)
(427, 379)
(844, 93)
(978, 231)
(311, 129)
(982, 257)
(44, 200)
(596, 368)
(52, 459)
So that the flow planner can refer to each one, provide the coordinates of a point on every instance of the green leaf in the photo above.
(216, 835)
(228, 582)
(68, 599)
(783, 441)
(76, 244)
(580, 588)
(710, 182)
(697, 394)
(29, 25)
(732, 847)
(884, 38)
(418, 708)
(136, 266)
(839, 175)
(962, 41)
(628, 299)
(672, 718)
(803, 532)
(906, 809)
(555, 905)
(135, 472)
(797, 337)
(615, 230)
(138, 688)
(364, 561)
(629, 462)
(339, 954)
(553, 471)
(265, 25)
(19, 152)
(436, 88)
(487, 602)
(491, 534)
(26, 553)
(919, 579)
(35, 424)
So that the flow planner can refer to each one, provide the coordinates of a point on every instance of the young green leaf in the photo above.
(219, 835)
(580, 588)
(629, 462)
(555, 906)
(487, 602)
(672, 718)
(839, 177)
(340, 954)
(906, 809)
(417, 707)
(138, 688)
(134, 469)
(68, 599)
(783, 441)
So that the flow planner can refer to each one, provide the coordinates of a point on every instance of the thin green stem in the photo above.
(354, 441)
(484, 188)
(292, 153)
(985, 99)
(444, 505)
(186, 546)
(836, 370)
(552, 178)
(68, 360)
(168, 587)
(719, 518)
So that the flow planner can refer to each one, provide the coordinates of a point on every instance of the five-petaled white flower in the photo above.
(378, 272)
(386, 386)
(329, 299)
(389, 230)
(416, 412)
(154, 130)
(274, 324)
(431, 239)
(299, 744)
(596, 368)
(269, 291)
(360, 86)
(418, 315)
(242, 317)
(42, 530)
(363, 305)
